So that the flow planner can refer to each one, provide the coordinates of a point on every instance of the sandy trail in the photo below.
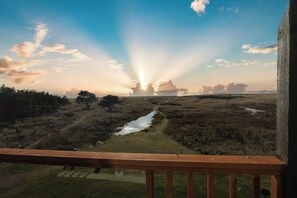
(76, 122)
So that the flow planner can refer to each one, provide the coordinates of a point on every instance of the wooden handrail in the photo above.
(211, 164)
(201, 163)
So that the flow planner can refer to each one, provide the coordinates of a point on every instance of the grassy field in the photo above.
(207, 125)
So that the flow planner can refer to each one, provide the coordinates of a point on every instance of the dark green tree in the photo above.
(109, 101)
(7, 103)
(86, 98)
(64, 100)
(19, 104)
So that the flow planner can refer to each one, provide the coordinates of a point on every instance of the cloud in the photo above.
(8, 66)
(224, 89)
(247, 62)
(167, 89)
(218, 89)
(115, 65)
(205, 89)
(41, 32)
(235, 10)
(27, 48)
(60, 48)
(164, 89)
(24, 49)
(273, 63)
(212, 66)
(7, 63)
(183, 91)
(19, 76)
(72, 93)
(220, 62)
(236, 88)
(259, 50)
(229, 9)
(199, 6)
(138, 91)
(165, 86)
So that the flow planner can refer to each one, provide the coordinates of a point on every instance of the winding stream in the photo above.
(137, 125)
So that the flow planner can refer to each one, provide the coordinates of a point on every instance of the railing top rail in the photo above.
(183, 162)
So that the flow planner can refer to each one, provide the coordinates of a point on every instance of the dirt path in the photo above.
(76, 122)
(65, 129)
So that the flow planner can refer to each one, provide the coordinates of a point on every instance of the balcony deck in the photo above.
(210, 164)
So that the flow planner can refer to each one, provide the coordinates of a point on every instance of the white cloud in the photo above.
(27, 48)
(24, 49)
(212, 66)
(235, 10)
(41, 32)
(273, 63)
(199, 6)
(229, 9)
(115, 65)
(60, 48)
(220, 60)
(259, 50)
(247, 62)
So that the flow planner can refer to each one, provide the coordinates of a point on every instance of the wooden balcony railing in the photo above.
(210, 164)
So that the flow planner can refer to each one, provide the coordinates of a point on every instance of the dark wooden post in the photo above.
(287, 97)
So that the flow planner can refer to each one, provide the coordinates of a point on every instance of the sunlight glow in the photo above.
(155, 59)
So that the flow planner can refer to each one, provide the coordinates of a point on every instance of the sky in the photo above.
(107, 46)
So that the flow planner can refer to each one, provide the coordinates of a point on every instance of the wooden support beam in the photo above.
(210, 185)
(232, 186)
(149, 184)
(277, 186)
(286, 136)
(169, 184)
(256, 179)
(273, 189)
(190, 192)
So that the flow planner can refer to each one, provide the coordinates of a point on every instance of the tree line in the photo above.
(87, 98)
(19, 104)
